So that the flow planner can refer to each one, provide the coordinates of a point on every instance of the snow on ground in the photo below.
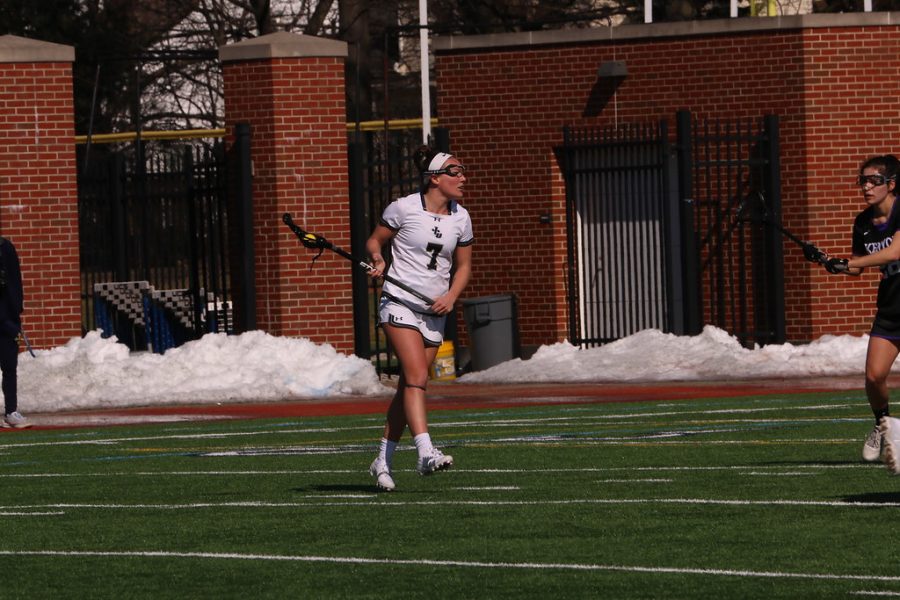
(94, 372)
(652, 355)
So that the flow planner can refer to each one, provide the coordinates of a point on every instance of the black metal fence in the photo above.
(670, 235)
(154, 241)
(736, 195)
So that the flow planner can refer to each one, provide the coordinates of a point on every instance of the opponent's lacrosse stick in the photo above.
(27, 343)
(317, 242)
(810, 251)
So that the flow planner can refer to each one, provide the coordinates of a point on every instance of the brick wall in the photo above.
(294, 103)
(505, 101)
(38, 188)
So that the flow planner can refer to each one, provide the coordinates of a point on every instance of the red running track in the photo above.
(448, 396)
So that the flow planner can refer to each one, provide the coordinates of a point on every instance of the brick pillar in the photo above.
(290, 89)
(38, 183)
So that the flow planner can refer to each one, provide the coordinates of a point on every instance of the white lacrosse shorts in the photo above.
(391, 312)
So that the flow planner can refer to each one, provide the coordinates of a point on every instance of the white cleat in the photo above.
(382, 474)
(872, 448)
(16, 420)
(890, 444)
(436, 461)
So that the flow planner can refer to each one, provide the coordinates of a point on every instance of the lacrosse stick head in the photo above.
(311, 240)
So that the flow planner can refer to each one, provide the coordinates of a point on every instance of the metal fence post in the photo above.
(673, 234)
(245, 218)
(441, 139)
(566, 159)
(362, 342)
(773, 239)
(119, 221)
(693, 318)
(193, 228)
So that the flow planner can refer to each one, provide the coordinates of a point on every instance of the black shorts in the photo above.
(885, 327)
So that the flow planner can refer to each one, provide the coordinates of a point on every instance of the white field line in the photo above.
(455, 471)
(597, 421)
(500, 423)
(875, 593)
(661, 438)
(343, 496)
(785, 474)
(569, 419)
(658, 439)
(635, 480)
(648, 414)
(32, 514)
(178, 436)
(489, 488)
(378, 502)
(456, 564)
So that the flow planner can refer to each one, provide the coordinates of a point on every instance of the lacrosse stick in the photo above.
(317, 242)
(810, 251)
(27, 342)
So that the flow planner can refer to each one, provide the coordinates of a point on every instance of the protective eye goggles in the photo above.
(873, 180)
(452, 171)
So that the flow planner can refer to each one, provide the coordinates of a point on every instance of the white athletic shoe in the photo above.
(16, 420)
(890, 444)
(872, 448)
(436, 461)
(382, 474)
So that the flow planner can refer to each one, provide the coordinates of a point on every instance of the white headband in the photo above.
(438, 161)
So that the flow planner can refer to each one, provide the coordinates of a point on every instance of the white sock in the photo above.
(386, 450)
(423, 444)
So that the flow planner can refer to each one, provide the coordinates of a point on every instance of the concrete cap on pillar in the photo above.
(282, 44)
(15, 49)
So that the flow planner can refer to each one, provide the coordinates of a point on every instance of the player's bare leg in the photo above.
(415, 358)
(880, 357)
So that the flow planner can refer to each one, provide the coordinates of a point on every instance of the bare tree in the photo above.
(153, 64)
(185, 84)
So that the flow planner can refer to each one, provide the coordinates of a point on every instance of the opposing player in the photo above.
(429, 232)
(875, 244)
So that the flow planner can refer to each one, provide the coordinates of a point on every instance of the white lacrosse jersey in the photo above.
(422, 248)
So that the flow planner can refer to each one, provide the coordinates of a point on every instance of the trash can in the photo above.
(493, 328)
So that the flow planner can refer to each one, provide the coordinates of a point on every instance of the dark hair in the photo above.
(422, 158)
(887, 165)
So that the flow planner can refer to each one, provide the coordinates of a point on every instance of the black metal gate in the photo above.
(672, 236)
(381, 170)
(731, 177)
(154, 242)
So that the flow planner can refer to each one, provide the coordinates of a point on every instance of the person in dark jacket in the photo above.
(11, 307)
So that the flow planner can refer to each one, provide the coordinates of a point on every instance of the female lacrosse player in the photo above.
(429, 231)
(875, 244)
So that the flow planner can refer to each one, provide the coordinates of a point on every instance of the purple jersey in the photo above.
(869, 238)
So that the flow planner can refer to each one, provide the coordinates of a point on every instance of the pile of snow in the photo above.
(652, 355)
(94, 372)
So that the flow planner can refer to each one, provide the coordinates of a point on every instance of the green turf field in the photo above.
(762, 497)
